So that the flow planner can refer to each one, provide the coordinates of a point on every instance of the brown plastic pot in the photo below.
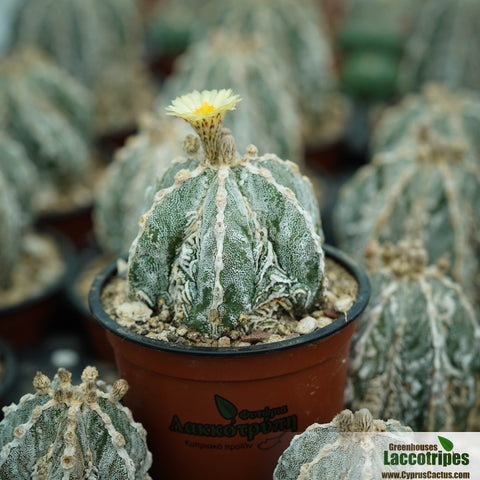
(228, 413)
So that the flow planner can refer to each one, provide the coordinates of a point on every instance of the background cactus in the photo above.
(227, 235)
(11, 227)
(426, 189)
(455, 114)
(129, 184)
(347, 446)
(20, 173)
(443, 46)
(414, 354)
(76, 432)
(49, 114)
(269, 117)
(93, 41)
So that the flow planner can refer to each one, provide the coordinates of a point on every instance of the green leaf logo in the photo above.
(226, 408)
(446, 443)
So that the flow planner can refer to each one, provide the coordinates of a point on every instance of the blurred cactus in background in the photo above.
(425, 188)
(100, 44)
(49, 114)
(130, 181)
(443, 46)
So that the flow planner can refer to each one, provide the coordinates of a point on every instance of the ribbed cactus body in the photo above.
(81, 34)
(269, 116)
(415, 351)
(49, 113)
(298, 33)
(11, 228)
(222, 242)
(19, 172)
(99, 44)
(72, 432)
(424, 189)
(442, 46)
(351, 446)
(454, 114)
(129, 185)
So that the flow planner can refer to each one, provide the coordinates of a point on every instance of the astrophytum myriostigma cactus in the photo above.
(64, 431)
(454, 114)
(442, 46)
(49, 114)
(11, 228)
(351, 446)
(128, 187)
(425, 188)
(227, 235)
(414, 354)
(20, 173)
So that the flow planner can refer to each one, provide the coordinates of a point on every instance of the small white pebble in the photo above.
(182, 331)
(306, 325)
(274, 338)
(323, 322)
(223, 342)
(134, 310)
(343, 304)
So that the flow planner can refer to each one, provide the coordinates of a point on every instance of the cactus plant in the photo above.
(424, 188)
(11, 227)
(76, 432)
(449, 113)
(414, 353)
(129, 183)
(352, 446)
(227, 235)
(99, 44)
(442, 46)
(271, 117)
(49, 113)
(19, 172)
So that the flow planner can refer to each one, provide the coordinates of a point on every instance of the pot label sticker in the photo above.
(243, 423)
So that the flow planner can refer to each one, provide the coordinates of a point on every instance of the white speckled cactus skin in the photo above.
(20, 172)
(455, 114)
(129, 185)
(269, 116)
(49, 113)
(227, 236)
(414, 354)
(73, 432)
(11, 227)
(426, 189)
(351, 446)
(443, 46)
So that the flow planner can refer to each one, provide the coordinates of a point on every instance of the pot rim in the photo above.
(124, 333)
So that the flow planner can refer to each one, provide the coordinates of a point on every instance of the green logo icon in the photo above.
(446, 443)
(226, 408)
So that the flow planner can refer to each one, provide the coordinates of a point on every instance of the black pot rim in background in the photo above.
(352, 314)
